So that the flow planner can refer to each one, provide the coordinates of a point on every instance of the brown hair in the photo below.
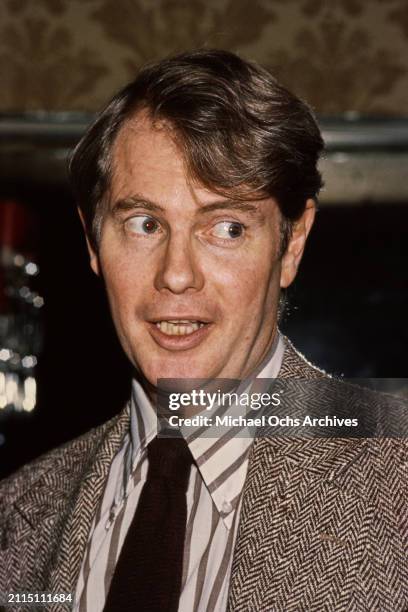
(240, 131)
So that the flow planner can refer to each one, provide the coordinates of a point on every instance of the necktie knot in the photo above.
(170, 460)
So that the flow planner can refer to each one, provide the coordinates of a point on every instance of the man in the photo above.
(196, 187)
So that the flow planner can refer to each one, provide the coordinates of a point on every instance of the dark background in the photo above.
(346, 312)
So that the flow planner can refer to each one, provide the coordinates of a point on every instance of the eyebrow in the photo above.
(138, 201)
(230, 205)
(134, 202)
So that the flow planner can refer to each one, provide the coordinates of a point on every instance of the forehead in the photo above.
(146, 155)
(148, 163)
(140, 135)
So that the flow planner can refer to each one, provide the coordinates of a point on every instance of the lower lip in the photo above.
(179, 343)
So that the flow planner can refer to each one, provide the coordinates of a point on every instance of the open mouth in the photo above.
(179, 327)
(180, 334)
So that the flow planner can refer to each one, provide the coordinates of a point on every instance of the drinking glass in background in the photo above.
(20, 308)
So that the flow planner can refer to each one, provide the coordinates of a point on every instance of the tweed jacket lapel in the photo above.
(64, 570)
(303, 519)
(48, 525)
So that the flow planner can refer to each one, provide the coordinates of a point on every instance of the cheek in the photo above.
(125, 285)
(247, 284)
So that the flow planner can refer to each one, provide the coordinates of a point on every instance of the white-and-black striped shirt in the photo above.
(213, 505)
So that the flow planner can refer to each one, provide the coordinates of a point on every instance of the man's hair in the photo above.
(242, 134)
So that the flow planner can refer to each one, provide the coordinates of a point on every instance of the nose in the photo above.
(179, 269)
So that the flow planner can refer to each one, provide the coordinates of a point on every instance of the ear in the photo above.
(293, 255)
(93, 256)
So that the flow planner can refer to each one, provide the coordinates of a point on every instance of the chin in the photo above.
(180, 370)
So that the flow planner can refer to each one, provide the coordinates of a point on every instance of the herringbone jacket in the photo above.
(323, 526)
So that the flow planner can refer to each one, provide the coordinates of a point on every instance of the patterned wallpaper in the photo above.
(340, 55)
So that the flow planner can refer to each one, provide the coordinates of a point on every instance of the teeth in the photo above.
(178, 328)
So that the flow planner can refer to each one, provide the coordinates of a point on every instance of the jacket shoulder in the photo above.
(296, 365)
(379, 414)
(65, 458)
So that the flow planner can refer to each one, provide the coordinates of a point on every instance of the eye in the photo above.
(142, 225)
(228, 230)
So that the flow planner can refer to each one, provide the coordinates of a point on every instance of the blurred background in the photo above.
(61, 368)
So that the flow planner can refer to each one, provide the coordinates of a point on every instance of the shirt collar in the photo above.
(215, 462)
(143, 420)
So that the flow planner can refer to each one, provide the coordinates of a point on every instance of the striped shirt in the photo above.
(213, 505)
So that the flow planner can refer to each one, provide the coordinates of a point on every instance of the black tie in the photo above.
(148, 573)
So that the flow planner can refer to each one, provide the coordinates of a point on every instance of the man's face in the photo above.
(192, 278)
